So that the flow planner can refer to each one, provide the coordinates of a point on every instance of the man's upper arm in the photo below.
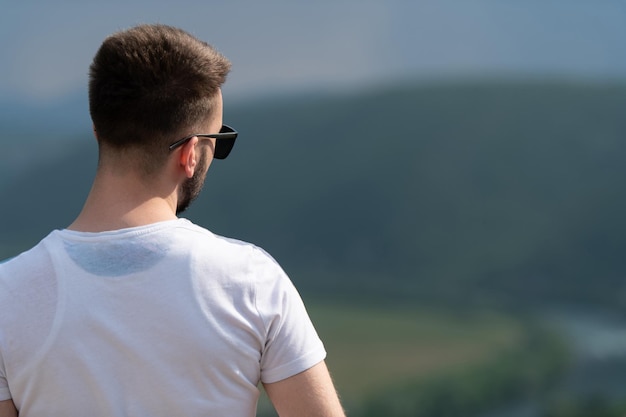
(308, 394)
(7, 409)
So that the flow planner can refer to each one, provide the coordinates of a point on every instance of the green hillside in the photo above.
(482, 193)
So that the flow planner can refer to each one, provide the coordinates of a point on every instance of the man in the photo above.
(132, 311)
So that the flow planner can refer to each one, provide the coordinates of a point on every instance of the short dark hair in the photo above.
(150, 82)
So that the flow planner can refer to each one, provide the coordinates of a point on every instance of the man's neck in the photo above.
(118, 202)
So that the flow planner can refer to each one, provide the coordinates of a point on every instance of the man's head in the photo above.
(149, 86)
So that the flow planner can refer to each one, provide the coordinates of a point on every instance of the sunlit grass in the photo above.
(370, 348)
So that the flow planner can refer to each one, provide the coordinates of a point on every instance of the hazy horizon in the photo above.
(285, 47)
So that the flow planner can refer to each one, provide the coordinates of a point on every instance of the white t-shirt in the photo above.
(160, 320)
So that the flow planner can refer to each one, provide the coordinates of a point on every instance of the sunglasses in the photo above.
(224, 141)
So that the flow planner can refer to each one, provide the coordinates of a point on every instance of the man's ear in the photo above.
(188, 157)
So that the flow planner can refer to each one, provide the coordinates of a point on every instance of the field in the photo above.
(372, 348)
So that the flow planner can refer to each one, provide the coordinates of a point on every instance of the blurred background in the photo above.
(441, 179)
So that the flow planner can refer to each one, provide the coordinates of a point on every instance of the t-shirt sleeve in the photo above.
(292, 344)
(5, 394)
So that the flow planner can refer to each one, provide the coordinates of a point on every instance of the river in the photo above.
(598, 369)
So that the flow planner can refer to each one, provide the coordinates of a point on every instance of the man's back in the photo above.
(148, 321)
(131, 311)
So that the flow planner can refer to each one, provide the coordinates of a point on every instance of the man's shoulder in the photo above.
(232, 250)
(32, 261)
(29, 256)
(207, 237)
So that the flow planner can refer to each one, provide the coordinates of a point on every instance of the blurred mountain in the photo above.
(39, 118)
(501, 193)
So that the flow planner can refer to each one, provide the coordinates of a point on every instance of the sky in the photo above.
(284, 46)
